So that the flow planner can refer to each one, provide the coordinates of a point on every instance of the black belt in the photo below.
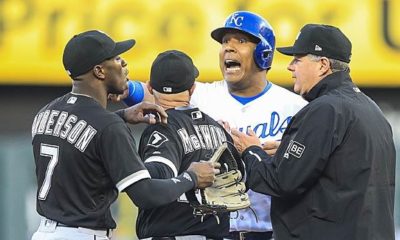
(173, 238)
(108, 231)
(63, 225)
(163, 238)
(250, 235)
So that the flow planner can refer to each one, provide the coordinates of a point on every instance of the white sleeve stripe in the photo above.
(166, 161)
(255, 155)
(131, 179)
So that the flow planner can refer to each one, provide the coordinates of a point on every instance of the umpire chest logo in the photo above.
(295, 149)
(156, 139)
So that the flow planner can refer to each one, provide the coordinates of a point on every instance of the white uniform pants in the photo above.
(48, 230)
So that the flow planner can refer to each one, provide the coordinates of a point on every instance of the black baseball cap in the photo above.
(87, 49)
(172, 72)
(321, 40)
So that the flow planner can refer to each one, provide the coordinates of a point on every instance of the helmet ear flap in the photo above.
(263, 55)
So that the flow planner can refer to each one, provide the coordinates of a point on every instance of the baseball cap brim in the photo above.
(121, 47)
(290, 51)
(219, 33)
(195, 72)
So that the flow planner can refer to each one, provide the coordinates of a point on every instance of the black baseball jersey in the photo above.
(189, 136)
(84, 155)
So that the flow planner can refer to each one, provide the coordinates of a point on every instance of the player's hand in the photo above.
(145, 112)
(205, 172)
(225, 125)
(243, 141)
(271, 146)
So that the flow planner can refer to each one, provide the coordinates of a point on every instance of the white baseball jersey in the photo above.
(268, 114)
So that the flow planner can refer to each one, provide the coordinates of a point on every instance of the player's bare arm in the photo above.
(145, 112)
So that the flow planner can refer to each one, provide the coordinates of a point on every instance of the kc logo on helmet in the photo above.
(237, 20)
(295, 149)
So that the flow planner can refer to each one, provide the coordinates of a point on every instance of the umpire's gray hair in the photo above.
(336, 65)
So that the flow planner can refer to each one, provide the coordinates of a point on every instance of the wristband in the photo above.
(135, 94)
(193, 177)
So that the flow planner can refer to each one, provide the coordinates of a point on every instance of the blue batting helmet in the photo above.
(255, 26)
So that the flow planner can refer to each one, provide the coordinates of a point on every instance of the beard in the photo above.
(112, 89)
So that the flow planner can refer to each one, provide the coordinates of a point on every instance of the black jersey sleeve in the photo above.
(151, 193)
(159, 170)
(118, 152)
(159, 144)
(121, 114)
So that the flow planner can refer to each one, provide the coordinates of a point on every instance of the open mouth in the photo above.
(232, 65)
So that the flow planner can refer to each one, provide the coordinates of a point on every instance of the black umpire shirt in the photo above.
(168, 150)
(333, 175)
(75, 144)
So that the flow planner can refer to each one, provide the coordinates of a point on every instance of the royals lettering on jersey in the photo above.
(206, 137)
(274, 127)
(65, 126)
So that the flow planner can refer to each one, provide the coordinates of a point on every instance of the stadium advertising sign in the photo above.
(33, 34)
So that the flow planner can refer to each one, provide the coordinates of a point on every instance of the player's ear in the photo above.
(191, 90)
(98, 72)
(325, 66)
(149, 88)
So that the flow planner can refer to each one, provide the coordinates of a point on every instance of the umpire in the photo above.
(333, 175)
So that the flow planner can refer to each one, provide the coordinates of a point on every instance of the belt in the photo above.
(101, 232)
(250, 235)
(185, 237)
(163, 238)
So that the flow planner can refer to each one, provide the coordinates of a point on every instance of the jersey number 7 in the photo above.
(52, 152)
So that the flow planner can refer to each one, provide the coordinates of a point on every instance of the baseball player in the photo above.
(247, 100)
(85, 155)
(168, 150)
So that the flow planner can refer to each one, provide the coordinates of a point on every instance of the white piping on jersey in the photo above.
(255, 155)
(131, 179)
(80, 94)
(166, 161)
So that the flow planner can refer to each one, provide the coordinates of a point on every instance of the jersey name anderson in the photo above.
(206, 137)
(65, 126)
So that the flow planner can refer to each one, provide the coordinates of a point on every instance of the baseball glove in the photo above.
(228, 192)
